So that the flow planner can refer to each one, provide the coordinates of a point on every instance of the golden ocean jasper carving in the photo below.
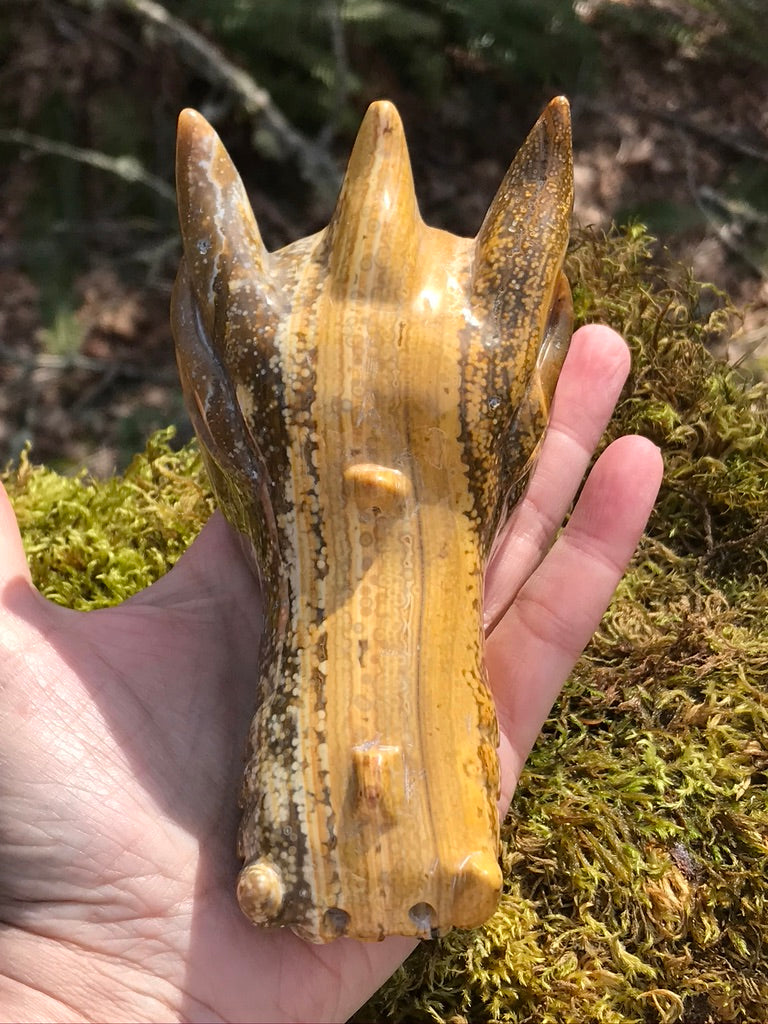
(369, 401)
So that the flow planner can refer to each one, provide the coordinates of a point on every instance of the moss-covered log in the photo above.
(636, 850)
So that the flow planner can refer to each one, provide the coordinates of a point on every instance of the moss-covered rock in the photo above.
(636, 850)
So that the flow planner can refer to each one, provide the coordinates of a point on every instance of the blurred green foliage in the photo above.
(743, 27)
(321, 61)
(316, 57)
(78, 71)
(735, 27)
(78, 76)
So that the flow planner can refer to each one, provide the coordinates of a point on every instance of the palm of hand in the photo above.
(123, 733)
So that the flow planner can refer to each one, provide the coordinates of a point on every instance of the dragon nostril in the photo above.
(336, 921)
(423, 916)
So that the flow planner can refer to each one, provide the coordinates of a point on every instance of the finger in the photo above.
(590, 383)
(532, 651)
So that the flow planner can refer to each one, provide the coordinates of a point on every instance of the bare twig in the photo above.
(726, 219)
(126, 167)
(729, 220)
(316, 164)
(342, 74)
(110, 367)
(727, 140)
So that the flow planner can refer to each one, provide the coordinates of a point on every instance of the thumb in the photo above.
(23, 610)
(13, 561)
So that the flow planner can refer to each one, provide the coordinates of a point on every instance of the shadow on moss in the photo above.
(636, 850)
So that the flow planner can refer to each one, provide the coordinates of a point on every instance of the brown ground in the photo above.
(668, 130)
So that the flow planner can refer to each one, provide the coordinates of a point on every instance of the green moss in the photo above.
(93, 543)
(636, 850)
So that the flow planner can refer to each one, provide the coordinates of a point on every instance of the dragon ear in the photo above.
(374, 231)
(223, 249)
(526, 228)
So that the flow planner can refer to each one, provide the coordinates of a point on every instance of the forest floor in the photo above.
(665, 136)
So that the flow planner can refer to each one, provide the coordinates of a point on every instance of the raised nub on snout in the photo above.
(260, 891)
(377, 488)
(378, 780)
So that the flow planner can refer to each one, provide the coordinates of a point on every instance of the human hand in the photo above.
(122, 733)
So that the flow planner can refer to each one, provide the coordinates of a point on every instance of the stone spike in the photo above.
(220, 237)
(528, 221)
(376, 225)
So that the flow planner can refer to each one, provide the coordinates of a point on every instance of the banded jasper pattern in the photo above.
(369, 401)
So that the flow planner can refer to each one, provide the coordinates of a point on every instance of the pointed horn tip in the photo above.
(192, 129)
(382, 117)
(189, 116)
(190, 121)
(560, 104)
(558, 112)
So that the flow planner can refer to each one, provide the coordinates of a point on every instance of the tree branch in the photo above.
(126, 167)
(315, 162)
